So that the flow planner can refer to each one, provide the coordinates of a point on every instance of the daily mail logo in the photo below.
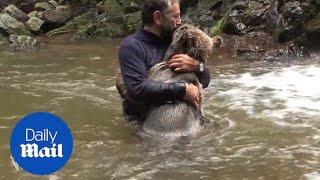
(41, 143)
(32, 150)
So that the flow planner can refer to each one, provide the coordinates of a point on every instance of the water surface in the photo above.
(268, 115)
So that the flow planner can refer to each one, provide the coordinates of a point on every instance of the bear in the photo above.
(180, 118)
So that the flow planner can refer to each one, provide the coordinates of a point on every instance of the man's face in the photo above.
(170, 21)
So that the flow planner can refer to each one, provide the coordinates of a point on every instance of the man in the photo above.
(147, 47)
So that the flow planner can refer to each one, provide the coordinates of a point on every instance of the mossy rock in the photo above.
(13, 11)
(133, 22)
(220, 25)
(75, 24)
(22, 41)
(110, 30)
(112, 8)
(11, 26)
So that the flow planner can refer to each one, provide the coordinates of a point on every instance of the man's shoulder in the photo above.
(130, 41)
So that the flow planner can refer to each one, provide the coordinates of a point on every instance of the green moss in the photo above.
(74, 25)
(220, 25)
(109, 30)
(112, 8)
(314, 24)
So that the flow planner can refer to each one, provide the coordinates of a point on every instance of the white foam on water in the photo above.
(313, 176)
(280, 94)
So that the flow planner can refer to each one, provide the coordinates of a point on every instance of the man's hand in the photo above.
(192, 95)
(183, 63)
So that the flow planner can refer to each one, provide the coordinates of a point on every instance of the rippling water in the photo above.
(267, 115)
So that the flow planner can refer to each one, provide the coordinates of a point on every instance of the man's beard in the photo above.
(166, 33)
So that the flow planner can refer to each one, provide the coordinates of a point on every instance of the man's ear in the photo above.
(157, 17)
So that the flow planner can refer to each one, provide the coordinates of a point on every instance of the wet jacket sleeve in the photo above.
(204, 77)
(140, 88)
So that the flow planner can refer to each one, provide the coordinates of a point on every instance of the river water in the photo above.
(268, 117)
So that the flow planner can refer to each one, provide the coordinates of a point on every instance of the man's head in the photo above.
(163, 15)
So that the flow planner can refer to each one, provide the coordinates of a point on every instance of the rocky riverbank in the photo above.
(252, 29)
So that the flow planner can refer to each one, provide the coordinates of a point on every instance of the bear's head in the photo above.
(190, 40)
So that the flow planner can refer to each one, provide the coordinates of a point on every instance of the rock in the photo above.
(33, 14)
(129, 6)
(111, 8)
(22, 41)
(13, 11)
(53, 19)
(11, 26)
(111, 27)
(54, 16)
(34, 24)
(53, 3)
(290, 22)
(313, 32)
(76, 23)
(3, 40)
(27, 6)
(63, 9)
(43, 6)
(132, 22)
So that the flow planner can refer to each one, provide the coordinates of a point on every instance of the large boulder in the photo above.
(13, 11)
(75, 24)
(22, 41)
(34, 24)
(54, 17)
(290, 22)
(111, 8)
(11, 26)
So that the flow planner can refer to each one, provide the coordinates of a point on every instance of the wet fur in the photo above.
(176, 119)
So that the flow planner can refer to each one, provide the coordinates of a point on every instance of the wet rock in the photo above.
(34, 24)
(10, 25)
(245, 17)
(13, 11)
(22, 41)
(43, 6)
(75, 24)
(290, 22)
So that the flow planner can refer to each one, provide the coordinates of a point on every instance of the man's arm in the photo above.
(140, 88)
(204, 77)
(185, 63)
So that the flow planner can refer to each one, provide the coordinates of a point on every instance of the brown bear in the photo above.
(175, 119)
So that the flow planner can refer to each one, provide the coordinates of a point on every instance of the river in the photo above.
(267, 114)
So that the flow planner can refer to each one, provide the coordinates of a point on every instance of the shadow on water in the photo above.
(267, 115)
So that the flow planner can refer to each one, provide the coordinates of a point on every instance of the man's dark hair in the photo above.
(150, 6)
